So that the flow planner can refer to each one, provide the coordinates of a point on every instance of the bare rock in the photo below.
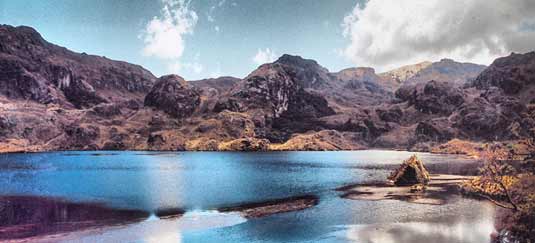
(107, 110)
(173, 95)
(32, 68)
(513, 74)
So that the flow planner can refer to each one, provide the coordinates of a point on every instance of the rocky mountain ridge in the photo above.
(55, 99)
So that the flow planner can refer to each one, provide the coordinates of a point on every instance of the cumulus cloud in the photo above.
(264, 56)
(164, 35)
(386, 34)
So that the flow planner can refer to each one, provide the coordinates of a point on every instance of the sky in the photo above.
(209, 38)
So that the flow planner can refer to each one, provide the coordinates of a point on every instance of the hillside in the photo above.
(54, 99)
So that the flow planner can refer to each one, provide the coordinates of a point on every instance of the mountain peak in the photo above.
(298, 61)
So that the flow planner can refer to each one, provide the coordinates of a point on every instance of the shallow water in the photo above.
(203, 181)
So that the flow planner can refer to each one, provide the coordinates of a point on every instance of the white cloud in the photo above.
(217, 29)
(164, 35)
(264, 56)
(386, 34)
(179, 67)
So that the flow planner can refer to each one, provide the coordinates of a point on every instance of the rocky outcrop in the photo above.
(411, 172)
(437, 98)
(55, 99)
(306, 73)
(279, 89)
(173, 95)
(81, 137)
(485, 120)
(514, 74)
(31, 68)
(436, 130)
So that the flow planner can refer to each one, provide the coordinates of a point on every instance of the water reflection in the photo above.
(158, 230)
(196, 182)
(466, 232)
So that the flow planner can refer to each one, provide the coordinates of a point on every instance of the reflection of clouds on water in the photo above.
(155, 230)
(466, 230)
(421, 232)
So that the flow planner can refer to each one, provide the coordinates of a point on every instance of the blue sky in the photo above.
(206, 38)
(226, 37)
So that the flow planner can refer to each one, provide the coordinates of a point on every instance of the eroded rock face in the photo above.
(391, 114)
(411, 172)
(433, 97)
(512, 73)
(31, 68)
(173, 95)
(278, 88)
(484, 119)
(437, 130)
(81, 94)
(307, 73)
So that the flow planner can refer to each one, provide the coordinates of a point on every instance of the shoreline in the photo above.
(439, 191)
(228, 151)
(30, 217)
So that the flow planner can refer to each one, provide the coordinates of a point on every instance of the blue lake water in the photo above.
(201, 182)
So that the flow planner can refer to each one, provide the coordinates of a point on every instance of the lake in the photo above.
(201, 182)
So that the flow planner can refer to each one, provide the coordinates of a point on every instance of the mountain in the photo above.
(399, 75)
(54, 99)
(32, 68)
(514, 75)
(220, 84)
(446, 70)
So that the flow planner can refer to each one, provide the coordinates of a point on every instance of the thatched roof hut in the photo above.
(411, 172)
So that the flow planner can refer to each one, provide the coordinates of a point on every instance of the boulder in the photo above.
(173, 95)
(390, 114)
(107, 110)
(411, 172)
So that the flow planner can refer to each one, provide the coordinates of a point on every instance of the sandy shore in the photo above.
(437, 192)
